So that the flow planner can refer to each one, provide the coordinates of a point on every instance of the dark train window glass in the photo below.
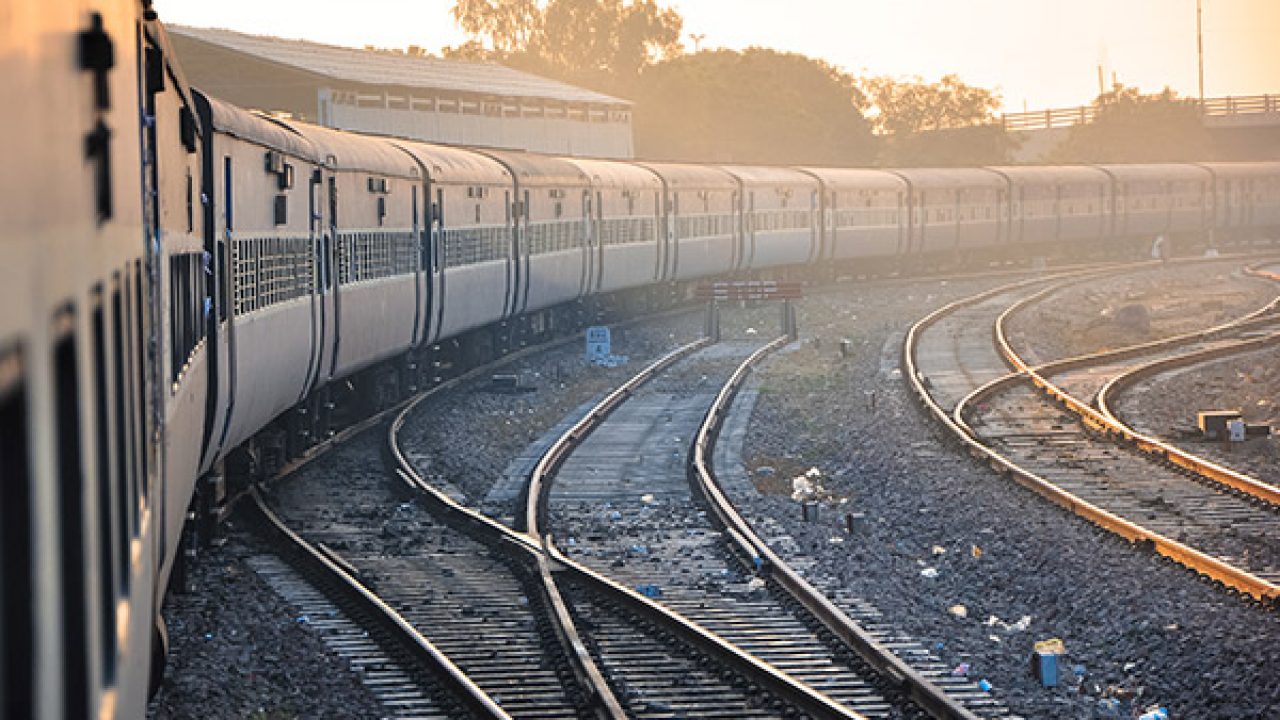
(280, 209)
(71, 518)
(17, 585)
(123, 433)
(102, 491)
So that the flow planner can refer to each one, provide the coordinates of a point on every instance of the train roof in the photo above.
(258, 129)
(762, 175)
(455, 165)
(1156, 172)
(857, 178)
(351, 151)
(538, 170)
(1048, 174)
(1243, 169)
(617, 174)
(679, 176)
(950, 177)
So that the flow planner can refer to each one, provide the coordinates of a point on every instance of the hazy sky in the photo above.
(1043, 53)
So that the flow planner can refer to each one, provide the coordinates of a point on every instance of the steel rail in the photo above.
(539, 490)
(337, 575)
(1189, 557)
(1102, 422)
(898, 673)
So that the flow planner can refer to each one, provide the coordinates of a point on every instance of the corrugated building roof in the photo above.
(376, 67)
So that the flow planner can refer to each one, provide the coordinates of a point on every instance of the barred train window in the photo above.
(268, 271)
(373, 255)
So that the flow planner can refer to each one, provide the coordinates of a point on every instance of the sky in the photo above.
(1036, 53)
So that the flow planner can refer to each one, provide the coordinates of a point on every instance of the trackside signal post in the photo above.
(737, 290)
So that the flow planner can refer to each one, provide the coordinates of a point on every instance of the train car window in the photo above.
(280, 209)
(382, 210)
(140, 366)
(70, 492)
(102, 491)
(123, 444)
(17, 590)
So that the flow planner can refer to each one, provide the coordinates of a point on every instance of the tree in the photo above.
(755, 106)
(943, 123)
(1128, 126)
(603, 43)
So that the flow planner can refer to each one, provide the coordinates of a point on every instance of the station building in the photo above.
(405, 95)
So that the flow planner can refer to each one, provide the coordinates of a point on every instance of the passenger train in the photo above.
(190, 292)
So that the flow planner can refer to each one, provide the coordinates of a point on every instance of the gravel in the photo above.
(1142, 630)
(1092, 316)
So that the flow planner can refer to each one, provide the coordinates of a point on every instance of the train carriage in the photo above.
(700, 220)
(469, 254)
(1049, 204)
(552, 213)
(953, 210)
(626, 216)
(863, 213)
(779, 208)
(264, 243)
(373, 296)
(1152, 199)
(1245, 196)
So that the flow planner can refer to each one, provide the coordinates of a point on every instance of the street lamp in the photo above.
(697, 39)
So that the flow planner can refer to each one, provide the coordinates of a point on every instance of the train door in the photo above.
(320, 269)
(436, 247)
(224, 346)
(587, 277)
(599, 233)
(520, 236)
(661, 236)
(330, 292)
(749, 237)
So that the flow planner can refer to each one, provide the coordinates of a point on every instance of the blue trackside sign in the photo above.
(599, 343)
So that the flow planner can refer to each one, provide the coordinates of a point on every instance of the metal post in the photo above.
(1200, 53)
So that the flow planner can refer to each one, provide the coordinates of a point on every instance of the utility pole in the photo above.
(1200, 52)
(697, 39)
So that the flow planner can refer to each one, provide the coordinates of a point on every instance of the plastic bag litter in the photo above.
(959, 611)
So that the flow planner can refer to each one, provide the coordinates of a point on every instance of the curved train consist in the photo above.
(190, 291)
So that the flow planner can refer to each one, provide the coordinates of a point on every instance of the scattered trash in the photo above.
(766, 471)
(1045, 657)
(959, 611)
(649, 590)
(939, 550)
(994, 638)
(1129, 666)
(572, 541)
(960, 670)
(984, 685)
(208, 636)
(639, 550)
(1023, 623)
(992, 621)
(929, 572)
(1079, 670)
(975, 551)
(939, 646)
(751, 331)
(758, 562)
(835, 540)
(648, 499)
(1155, 713)
(755, 583)
(615, 515)
(303, 619)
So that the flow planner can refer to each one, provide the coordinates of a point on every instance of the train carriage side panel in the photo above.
(626, 214)
(1061, 204)
(468, 248)
(1244, 196)
(371, 188)
(552, 229)
(1157, 198)
(265, 250)
(956, 209)
(700, 211)
(865, 212)
(780, 216)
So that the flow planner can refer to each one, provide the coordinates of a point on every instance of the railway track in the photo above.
(959, 358)
(615, 495)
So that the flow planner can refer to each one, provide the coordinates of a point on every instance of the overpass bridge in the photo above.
(1244, 128)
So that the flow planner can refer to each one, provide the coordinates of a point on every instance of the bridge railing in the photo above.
(1220, 107)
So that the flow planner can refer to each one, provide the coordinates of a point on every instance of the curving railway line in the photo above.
(1039, 425)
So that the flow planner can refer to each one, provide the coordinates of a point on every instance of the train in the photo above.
(192, 293)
